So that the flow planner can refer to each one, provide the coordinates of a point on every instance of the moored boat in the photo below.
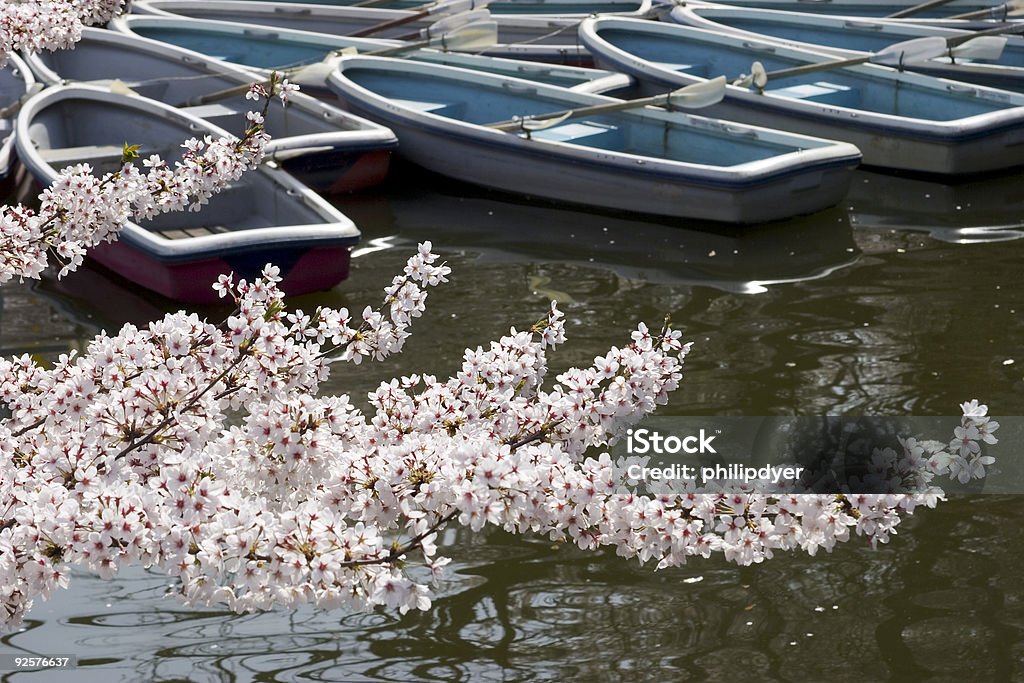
(330, 150)
(898, 119)
(16, 82)
(643, 160)
(848, 37)
(577, 9)
(261, 49)
(876, 8)
(535, 38)
(266, 216)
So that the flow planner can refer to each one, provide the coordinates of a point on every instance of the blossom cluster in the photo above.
(34, 25)
(79, 210)
(207, 452)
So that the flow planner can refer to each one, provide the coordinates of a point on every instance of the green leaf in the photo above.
(129, 152)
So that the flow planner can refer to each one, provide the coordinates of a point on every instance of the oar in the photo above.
(476, 35)
(897, 54)
(916, 9)
(1007, 9)
(446, 24)
(694, 96)
(986, 45)
(443, 8)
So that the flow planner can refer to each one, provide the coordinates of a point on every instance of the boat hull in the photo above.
(305, 269)
(600, 178)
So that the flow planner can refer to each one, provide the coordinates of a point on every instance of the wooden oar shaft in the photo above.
(916, 9)
(391, 23)
(592, 110)
(1017, 27)
(993, 12)
(818, 66)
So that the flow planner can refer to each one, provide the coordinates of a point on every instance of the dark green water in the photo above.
(903, 300)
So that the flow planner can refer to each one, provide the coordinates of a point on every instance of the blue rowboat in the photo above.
(644, 160)
(847, 37)
(899, 120)
(330, 150)
(265, 216)
(577, 9)
(536, 38)
(259, 48)
(16, 82)
(869, 8)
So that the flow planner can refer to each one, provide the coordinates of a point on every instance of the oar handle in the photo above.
(992, 12)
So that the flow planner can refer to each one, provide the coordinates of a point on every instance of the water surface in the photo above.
(903, 300)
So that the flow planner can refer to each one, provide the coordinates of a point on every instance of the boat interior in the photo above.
(883, 91)
(654, 134)
(68, 132)
(179, 80)
(848, 36)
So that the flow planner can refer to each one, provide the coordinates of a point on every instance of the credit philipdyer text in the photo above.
(650, 442)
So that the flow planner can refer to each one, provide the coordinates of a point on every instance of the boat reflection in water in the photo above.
(506, 229)
(987, 209)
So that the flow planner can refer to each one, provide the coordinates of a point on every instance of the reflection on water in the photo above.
(941, 601)
(876, 307)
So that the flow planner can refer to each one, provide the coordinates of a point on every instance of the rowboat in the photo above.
(261, 49)
(550, 9)
(899, 120)
(16, 82)
(645, 160)
(328, 149)
(845, 37)
(871, 8)
(266, 216)
(535, 38)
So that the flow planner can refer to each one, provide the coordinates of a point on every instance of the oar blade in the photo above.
(699, 95)
(916, 50)
(984, 48)
(478, 35)
(450, 23)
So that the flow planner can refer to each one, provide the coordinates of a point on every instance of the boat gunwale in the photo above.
(7, 143)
